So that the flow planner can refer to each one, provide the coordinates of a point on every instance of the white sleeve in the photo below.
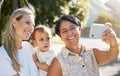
(28, 63)
(6, 68)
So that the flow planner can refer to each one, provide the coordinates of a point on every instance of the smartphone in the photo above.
(96, 30)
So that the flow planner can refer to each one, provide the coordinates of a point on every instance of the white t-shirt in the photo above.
(45, 57)
(28, 67)
(6, 68)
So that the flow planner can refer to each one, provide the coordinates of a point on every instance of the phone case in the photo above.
(96, 30)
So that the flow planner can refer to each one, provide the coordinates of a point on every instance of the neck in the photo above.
(19, 44)
(75, 49)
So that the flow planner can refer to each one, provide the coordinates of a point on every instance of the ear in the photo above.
(61, 38)
(14, 21)
(80, 30)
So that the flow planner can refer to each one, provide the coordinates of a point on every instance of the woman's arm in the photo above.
(104, 56)
(6, 68)
(55, 68)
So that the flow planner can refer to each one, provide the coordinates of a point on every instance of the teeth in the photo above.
(71, 38)
(28, 33)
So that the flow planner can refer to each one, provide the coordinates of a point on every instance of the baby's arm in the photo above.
(42, 66)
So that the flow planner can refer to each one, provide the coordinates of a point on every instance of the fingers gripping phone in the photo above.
(96, 30)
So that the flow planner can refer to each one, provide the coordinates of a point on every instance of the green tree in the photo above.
(81, 10)
(47, 11)
(6, 7)
(104, 17)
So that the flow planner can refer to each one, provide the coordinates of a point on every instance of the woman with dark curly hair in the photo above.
(75, 59)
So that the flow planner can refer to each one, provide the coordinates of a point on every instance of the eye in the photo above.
(27, 22)
(64, 31)
(48, 38)
(72, 28)
(41, 40)
(30, 24)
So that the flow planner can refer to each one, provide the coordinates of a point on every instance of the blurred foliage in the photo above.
(81, 10)
(104, 17)
(5, 10)
(47, 11)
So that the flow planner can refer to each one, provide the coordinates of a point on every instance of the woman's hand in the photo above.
(35, 58)
(109, 36)
(105, 56)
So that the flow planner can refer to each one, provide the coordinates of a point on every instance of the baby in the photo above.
(41, 40)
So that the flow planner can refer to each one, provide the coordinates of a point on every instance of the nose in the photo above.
(31, 29)
(70, 32)
(46, 41)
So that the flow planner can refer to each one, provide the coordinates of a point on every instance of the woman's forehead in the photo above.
(66, 24)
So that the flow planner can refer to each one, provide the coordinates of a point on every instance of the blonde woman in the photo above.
(16, 54)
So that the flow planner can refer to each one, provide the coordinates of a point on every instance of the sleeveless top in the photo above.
(44, 57)
(78, 65)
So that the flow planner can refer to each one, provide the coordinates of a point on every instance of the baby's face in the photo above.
(43, 41)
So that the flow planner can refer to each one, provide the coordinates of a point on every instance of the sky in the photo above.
(100, 0)
(104, 1)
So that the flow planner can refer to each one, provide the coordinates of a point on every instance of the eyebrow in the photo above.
(69, 27)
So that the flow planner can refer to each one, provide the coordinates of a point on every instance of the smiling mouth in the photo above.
(71, 38)
(28, 34)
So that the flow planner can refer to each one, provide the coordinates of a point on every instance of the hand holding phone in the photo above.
(96, 30)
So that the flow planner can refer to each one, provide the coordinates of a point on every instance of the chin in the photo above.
(26, 38)
(73, 43)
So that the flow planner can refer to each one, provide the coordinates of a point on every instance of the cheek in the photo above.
(32, 31)
(63, 37)
(38, 43)
(18, 27)
(19, 30)
(77, 33)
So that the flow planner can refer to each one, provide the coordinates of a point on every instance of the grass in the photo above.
(57, 40)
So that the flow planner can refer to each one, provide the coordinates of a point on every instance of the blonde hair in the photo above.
(9, 39)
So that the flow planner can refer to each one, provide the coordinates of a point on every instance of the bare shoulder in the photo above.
(55, 68)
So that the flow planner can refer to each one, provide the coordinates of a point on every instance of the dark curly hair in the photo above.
(69, 18)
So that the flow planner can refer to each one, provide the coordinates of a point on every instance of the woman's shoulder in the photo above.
(27, 46)
(26, 43)
(2, 51)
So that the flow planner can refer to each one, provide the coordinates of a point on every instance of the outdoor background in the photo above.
(87, 11)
